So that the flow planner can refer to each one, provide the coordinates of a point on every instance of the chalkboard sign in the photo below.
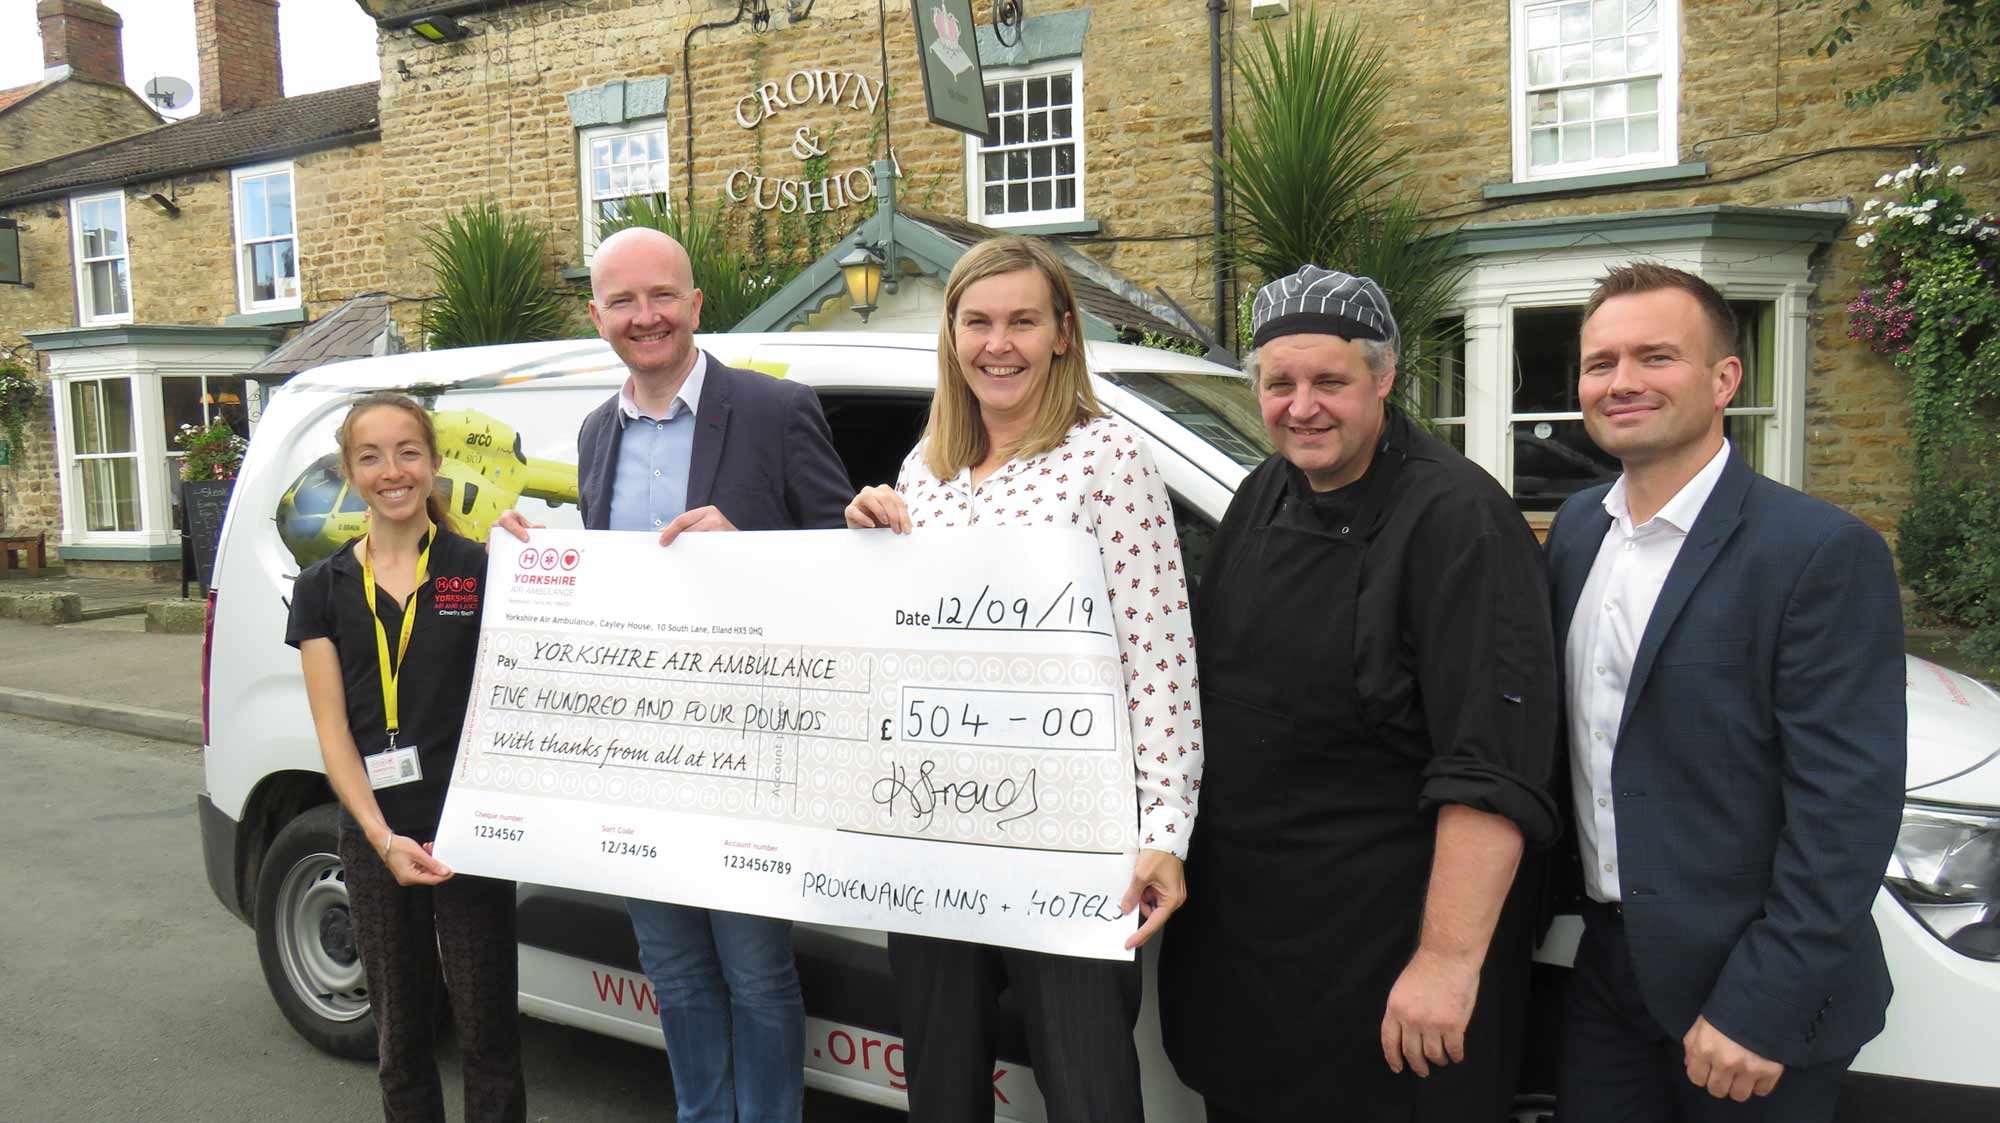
(206, 502)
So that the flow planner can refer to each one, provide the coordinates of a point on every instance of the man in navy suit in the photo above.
(688, 444)
(1733, 663)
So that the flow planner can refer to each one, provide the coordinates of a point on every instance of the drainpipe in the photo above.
(1224, 317)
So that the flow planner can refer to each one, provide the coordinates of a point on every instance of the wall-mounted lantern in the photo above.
(439, 29)
(862, 269)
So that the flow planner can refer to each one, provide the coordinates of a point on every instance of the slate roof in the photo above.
(231, 138)
(1095, 297)
(354, 330)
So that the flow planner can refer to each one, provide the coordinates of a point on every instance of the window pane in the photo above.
(1575, 23)
(100, 496)
(1542, 28)
(1609, 101)
(1576, 62)
(1754, 324)
(1605, 17)
(121, 288)
(288, 268)
(1643, 15)
(600, 183)
(1747, 434)
(1576, 143)
(655, 147)
(1059, 90)
(1017, 198)
(1545, 359)
(86, 417)
(995, 166)
(262, 284)
(1011, 132)
(1609, 58)
(1065, 193)
(279, 189)
(1541, 109)
(117, 414)
(1644, 96)
(996, 200)
(1010, 95)
(1042, 196)
(102, 293)
(93, 239)
(1066, 160)
(1059, 123)
(1549, 469)
(1542, 67)
(1038, 127)
(1576, 105)
(1017, 165)
(1642, 53)
(1038, 92)
(256, 222)
(1643, 135)
(225, 402)
(1039, 161)
(992, 98)
(1610, 139)
(1542, 148)
(180, 404)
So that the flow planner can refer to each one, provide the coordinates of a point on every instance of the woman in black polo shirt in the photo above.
(388, 629)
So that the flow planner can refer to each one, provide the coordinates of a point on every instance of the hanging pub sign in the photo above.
(948, 55)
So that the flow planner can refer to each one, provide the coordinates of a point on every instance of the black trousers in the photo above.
(1079, 1015)
(404, 934)
(1619, 1066)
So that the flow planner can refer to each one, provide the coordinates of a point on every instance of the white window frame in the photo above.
(1669, 101)
(587, 200)
(975, 175)
(86, 314)
(244, 275)
(1500, 284)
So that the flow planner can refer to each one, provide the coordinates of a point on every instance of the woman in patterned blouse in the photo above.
(1017, 437)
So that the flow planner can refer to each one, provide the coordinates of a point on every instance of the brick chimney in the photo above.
(83, 35)
(238, 44)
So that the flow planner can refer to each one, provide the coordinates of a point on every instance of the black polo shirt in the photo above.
(328, 602)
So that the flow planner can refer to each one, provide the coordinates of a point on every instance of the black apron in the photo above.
(1310, 858)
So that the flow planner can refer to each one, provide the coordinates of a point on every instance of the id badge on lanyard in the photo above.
(394, 765)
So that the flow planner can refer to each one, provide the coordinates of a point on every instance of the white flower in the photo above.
(1886, 180)
(1870, 205)
(1928, 171)
(1865, 241)
(1903, 175)
(1930, 204)
(1956, 169)
(1872, 220)
(1922, 220)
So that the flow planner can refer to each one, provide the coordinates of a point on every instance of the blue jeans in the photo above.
(730, 1008)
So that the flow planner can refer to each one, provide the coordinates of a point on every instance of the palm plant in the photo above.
(1312, 177)
(492, 279)
(731, 288)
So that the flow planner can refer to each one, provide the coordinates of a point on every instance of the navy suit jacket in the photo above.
(1758, 774)
(762, 454)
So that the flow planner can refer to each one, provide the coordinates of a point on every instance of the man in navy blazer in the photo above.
(686, 445)
(1733, 663)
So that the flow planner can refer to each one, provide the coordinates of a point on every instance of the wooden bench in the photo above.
(32, 548)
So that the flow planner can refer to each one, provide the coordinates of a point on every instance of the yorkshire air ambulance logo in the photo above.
(483, 476)
(946, 46)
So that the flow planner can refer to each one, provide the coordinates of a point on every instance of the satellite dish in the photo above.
(169, 93)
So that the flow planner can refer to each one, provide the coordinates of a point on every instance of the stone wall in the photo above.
(488, 116)
(69, 115)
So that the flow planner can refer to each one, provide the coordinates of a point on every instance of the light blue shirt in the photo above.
(650, 484)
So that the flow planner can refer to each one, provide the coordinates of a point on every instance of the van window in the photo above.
(1222, 411)
(873, 431)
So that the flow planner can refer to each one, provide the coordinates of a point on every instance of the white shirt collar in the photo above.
(688, 397)
(1680, 511)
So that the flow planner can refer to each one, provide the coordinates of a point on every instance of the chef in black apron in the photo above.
(1379, 687)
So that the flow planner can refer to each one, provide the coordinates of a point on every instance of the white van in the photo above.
(507, 420)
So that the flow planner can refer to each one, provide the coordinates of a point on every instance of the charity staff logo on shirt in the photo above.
(455, 596)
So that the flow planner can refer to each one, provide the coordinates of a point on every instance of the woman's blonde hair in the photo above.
(956, 437)
(434, 503)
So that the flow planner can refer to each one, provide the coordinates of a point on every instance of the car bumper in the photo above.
(221, 843)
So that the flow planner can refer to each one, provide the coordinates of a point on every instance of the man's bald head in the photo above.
(655, 254)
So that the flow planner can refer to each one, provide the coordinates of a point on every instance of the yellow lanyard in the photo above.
(390, 675)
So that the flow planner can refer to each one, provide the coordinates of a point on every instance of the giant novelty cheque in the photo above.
(918, 733)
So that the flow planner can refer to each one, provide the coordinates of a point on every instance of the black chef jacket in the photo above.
(328, 601)
(1367, 654)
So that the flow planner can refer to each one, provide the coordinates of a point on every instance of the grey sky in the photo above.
(323, 44)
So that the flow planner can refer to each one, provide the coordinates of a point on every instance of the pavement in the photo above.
(107, 671)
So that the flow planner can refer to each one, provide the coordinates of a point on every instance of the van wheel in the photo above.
(305, 938)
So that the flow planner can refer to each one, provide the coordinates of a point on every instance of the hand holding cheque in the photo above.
(938, 749)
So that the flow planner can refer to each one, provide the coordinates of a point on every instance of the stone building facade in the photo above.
(81, 98)
(159, 268)
(1711, 139)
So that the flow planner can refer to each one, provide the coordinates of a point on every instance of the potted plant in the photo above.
(211, 457)
(20, 397)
